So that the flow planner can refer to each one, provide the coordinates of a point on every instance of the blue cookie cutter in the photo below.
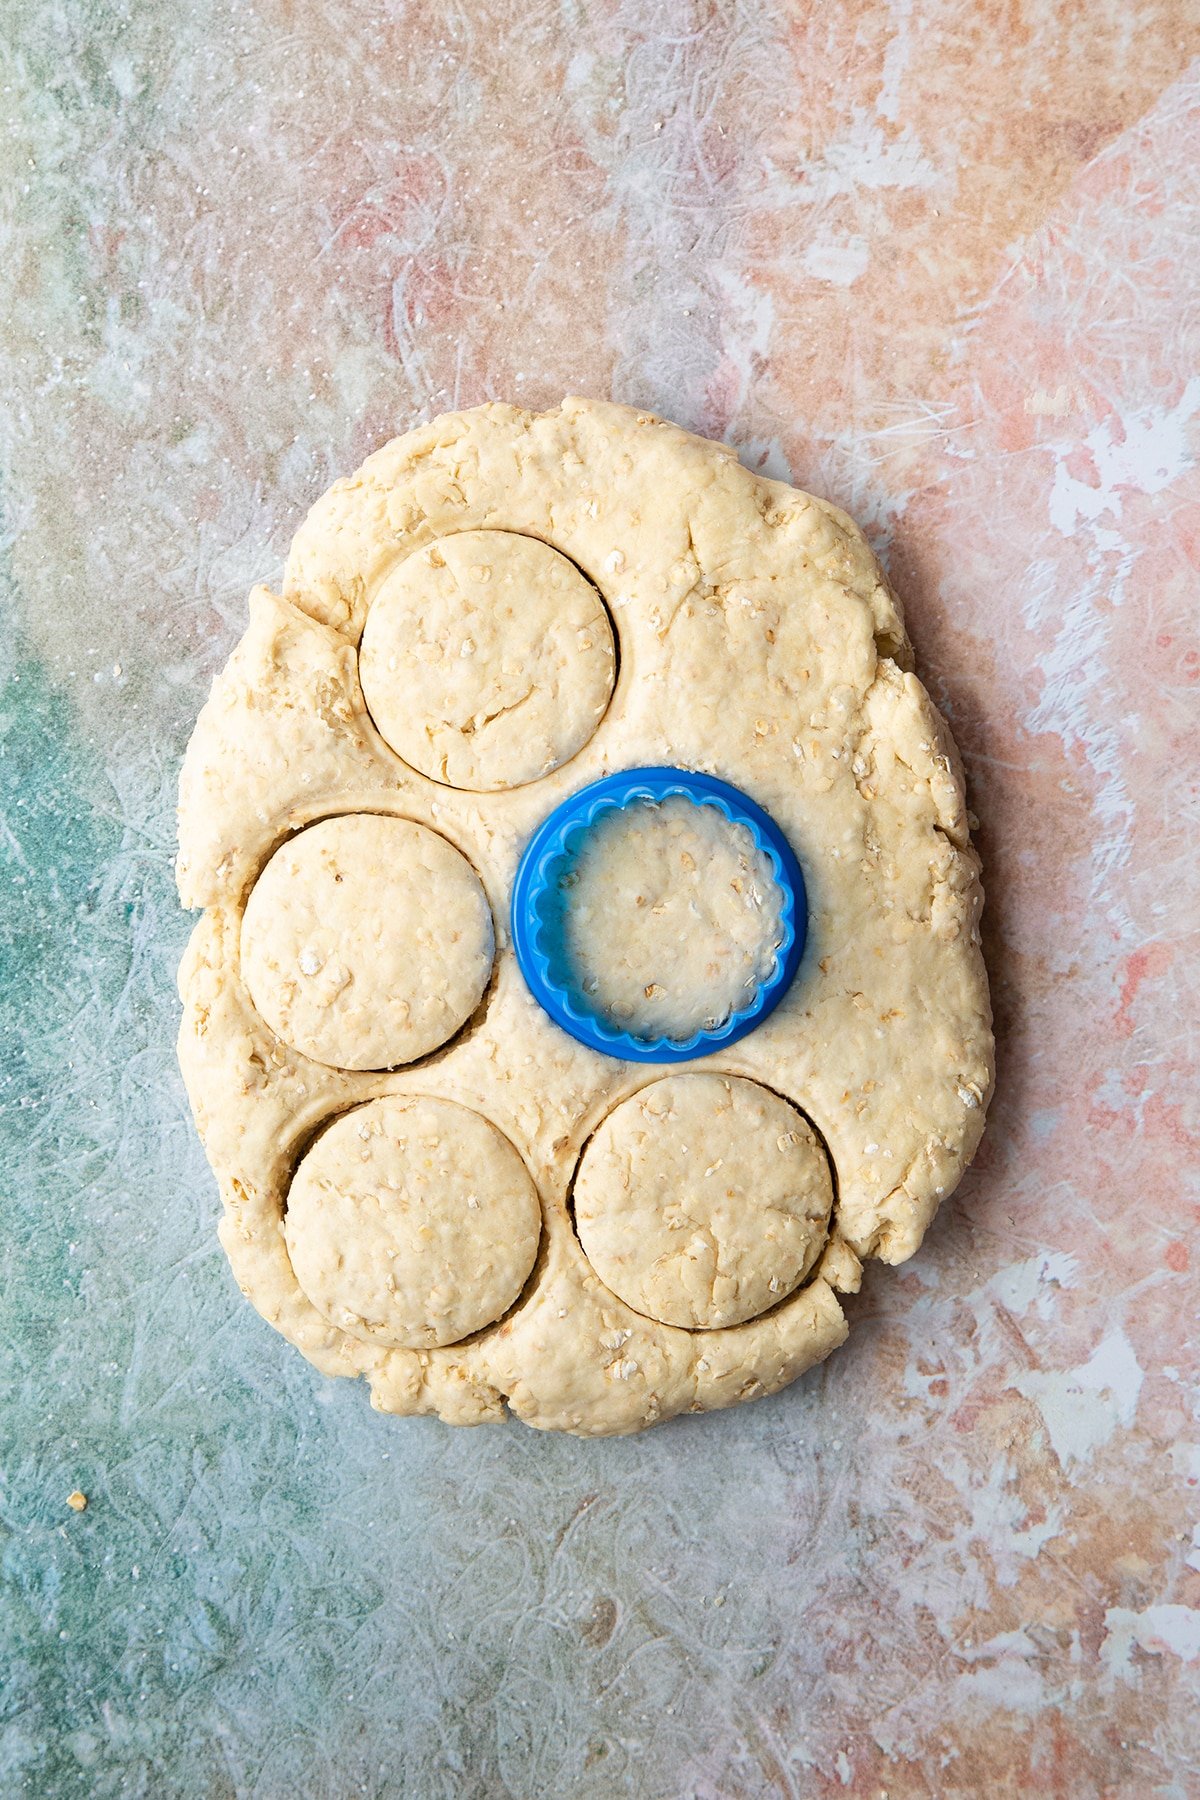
(535, 892)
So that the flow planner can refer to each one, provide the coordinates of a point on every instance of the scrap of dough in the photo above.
(758, 642)
(703, 1200)
(366, 941)
(671, 917)
(412, 1222)
(487, 660)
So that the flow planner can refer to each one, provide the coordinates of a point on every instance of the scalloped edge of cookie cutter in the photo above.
(552, 843)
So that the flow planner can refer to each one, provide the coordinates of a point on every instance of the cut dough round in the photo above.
(412, 1222)
(367, 941)
(487, 660)
(670, 916)
(702, 1200)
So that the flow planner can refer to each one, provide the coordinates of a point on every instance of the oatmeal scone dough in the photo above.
(753, 637)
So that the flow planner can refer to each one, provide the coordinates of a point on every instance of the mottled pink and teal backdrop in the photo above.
(935, 259)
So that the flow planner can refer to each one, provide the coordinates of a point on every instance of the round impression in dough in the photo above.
(703, 1200)
(671, 919)
(366, 941)
(487, 660)
(412, 1222)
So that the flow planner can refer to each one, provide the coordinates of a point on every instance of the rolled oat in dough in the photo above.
(412, 1222)
(670, 916)
(487, 660)
(703, 1200)
(483, 578)
(366, 941)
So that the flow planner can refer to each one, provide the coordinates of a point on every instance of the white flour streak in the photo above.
(1083, 1407)
(1157, 1631)
(1142, 454)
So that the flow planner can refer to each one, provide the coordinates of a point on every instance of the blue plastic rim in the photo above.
(535, 892)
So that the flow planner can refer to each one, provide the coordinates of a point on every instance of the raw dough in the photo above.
(412, 1221)
(703, 1200)
(671, 917)
(366, 941)
(487, 659)
(758, 642)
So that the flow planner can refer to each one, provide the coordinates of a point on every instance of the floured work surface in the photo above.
(426, 1181)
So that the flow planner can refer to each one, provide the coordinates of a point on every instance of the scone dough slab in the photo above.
(759, 642)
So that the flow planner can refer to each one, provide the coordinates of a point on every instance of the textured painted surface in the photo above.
(936, 261)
